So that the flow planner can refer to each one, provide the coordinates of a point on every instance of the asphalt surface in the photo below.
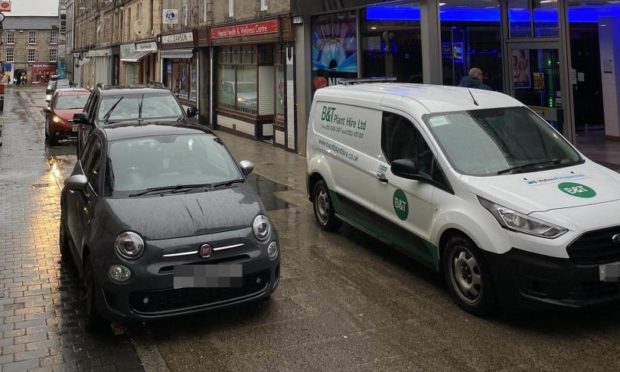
(345, 301)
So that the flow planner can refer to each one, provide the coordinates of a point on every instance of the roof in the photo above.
(72, 91)
(116, 132)
(432, 98)
(29, 23)
(139, 89)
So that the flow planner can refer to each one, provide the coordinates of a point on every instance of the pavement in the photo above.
(346, 302)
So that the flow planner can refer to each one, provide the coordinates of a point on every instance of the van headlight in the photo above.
(129, 245)
(261, 227)
(522, 223)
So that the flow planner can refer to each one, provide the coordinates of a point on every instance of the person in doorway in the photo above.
(24, 81)
(474, 80)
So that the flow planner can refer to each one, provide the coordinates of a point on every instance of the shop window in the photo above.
(280, 87)
(471, 37)
(391, 42)
(533, 18)
(237, 71)
(334, 48)
(180, 76)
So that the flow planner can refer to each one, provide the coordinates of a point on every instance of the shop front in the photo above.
(96, 67)
(40, 73)
(179, 65)
(253, 79)
(138, 63)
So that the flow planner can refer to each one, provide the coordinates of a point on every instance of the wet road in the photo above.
(345, 301)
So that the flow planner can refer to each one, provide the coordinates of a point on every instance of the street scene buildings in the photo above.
(294, 185)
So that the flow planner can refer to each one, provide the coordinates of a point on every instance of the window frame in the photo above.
(8, 39)
(53, 37)
(32, 37)
(6, 52)
(87, 159)
(34, 55)
(55, 59)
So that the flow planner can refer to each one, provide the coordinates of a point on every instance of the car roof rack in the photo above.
(380, 79)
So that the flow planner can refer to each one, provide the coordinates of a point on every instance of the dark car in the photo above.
(59, 115)
(161, 222)
(125, 104)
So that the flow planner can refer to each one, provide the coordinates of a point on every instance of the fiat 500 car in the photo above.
(161, 221)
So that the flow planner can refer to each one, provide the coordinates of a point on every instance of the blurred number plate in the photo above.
(609, 272)
(75, 128)
(208, 276)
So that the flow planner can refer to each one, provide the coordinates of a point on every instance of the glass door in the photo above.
(535, 80)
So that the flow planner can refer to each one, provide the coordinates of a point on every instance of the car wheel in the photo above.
(468, 277)
(323, 208)
(93, 318)
(47, 136)
(63, 239)
(52, 140)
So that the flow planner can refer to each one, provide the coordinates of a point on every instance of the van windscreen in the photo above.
(500, 141)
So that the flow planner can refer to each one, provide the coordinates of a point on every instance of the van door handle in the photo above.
(381, 177)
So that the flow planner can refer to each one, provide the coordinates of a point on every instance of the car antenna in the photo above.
(140, 110)
(472, 97)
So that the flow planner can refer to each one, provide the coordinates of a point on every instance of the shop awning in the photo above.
(177, 53)
(136, 56)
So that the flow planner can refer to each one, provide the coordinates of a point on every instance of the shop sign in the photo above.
(99, 53)
(186, 37)
(5, 6)
(146, 47)
(247, 29)
(43, 65)
(170, 16)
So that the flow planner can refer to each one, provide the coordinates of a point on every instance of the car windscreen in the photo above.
(139, 164)
(70, 102)
(498, 141)
(127, 107)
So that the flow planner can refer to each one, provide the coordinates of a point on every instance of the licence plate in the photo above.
(208, 276)
(609, 272)
(75, 128)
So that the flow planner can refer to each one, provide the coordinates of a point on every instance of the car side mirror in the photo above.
(405, 168)
(246, 166)
(47, 110)
(192, 111)
(77, 182)
(80, 118)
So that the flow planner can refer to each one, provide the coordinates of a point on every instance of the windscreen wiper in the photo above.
(226, 183)
(531, 165)
(140, 110)
(107, 115)
(176, 188)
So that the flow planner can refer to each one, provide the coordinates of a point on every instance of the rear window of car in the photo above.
(127, 107)
(71, 102)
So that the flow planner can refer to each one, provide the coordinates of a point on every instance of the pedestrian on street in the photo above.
(24, 79)
(474, 80)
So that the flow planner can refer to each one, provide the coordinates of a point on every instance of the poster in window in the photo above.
(334, 48)
(539, 81)
(521, 69)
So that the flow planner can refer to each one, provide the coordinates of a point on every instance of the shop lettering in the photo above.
(248, 29)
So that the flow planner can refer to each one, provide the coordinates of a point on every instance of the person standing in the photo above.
(474, 80)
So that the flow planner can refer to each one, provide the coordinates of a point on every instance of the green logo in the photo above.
(577, 189)
(401, 206)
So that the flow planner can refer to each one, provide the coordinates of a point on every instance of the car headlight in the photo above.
(57, 119)
(522, 223)
(129, 245)
(261, 227)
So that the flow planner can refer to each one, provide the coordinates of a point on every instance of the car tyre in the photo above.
(323, 208)
(468, 277)
(63, 239)
(94, 320)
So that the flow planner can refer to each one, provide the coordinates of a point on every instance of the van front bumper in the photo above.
(526, 280)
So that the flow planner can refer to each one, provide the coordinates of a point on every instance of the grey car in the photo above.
(161, 222)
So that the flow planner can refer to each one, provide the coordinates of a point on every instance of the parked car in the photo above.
(125, 104)
(59, 114)
(161, 221)
(472, 184)
(49, 90)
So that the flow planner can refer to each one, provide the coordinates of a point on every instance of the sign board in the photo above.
(246, 29)
(186, 37)
(170, 16)
(146, 47)
(5, 6)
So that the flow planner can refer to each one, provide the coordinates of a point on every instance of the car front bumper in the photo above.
(528, 280)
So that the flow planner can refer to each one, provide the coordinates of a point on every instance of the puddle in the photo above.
(266, 189)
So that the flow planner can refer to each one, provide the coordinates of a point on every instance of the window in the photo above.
(231, 8)
(10, 37)
(53, 37)
(32, 37)
(53, 55)
(139, 10)
(10, 55)
(238, 79)
(401, 140)
(263, 5)
(32, 55)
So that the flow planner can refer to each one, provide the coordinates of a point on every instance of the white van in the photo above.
(471, 183)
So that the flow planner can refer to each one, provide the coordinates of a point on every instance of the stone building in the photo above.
(30, 47)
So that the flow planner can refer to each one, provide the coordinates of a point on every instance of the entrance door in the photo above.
(535, 80)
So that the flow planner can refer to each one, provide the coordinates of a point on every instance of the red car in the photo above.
(59, 115)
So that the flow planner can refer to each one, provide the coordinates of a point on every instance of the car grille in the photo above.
(593, 290)
(595, 247)
(176, 299)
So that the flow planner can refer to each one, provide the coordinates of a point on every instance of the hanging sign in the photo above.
(5, 5)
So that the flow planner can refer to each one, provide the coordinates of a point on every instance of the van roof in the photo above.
(435, 98)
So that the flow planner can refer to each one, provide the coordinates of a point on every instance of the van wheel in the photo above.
(323, 208)
(468, 277)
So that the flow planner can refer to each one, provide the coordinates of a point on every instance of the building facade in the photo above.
(30, 48)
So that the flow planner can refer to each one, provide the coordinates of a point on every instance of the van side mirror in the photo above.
(192, 111)
(405, 168)
(77, 182)
(80, 118)
(246, 166)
